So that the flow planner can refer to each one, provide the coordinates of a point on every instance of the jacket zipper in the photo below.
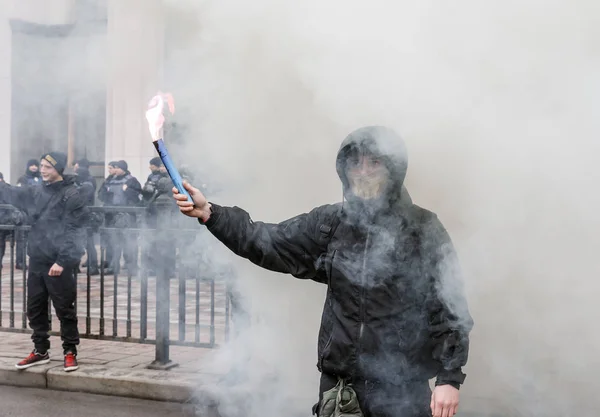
(362, 289)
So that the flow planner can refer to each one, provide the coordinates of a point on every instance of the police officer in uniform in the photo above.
(121, 189)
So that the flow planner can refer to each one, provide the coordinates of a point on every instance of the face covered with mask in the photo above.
(367, 175)
(372, 163)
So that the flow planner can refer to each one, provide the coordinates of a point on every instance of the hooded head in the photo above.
(82, 163)
(372, 164)
(33, 166)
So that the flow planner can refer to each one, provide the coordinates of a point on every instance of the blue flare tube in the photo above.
(173, 172)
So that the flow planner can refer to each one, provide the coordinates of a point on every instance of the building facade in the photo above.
(75, 76)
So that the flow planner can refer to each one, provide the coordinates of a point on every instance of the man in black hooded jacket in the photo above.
(394, 315)
(56, 244)
(30, 179)
(31, 176)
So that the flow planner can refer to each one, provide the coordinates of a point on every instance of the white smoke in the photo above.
(496, 102)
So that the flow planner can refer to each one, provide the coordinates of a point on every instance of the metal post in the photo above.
(163, 285)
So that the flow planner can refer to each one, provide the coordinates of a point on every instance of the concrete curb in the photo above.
(124, 382)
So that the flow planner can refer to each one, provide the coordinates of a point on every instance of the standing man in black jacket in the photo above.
(56, 244)
(30, 179)
(395, 315)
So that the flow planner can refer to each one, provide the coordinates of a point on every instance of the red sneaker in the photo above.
(34, 359)
(71, 362)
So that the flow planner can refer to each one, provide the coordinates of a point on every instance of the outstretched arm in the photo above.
(292, 246)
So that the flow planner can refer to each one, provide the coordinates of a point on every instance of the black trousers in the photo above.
(92, 255)
(123, 243)
(4, 235)
(21, 238)
(62, 290)
(386, 400)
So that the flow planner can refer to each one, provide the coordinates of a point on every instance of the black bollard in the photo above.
(166, 253)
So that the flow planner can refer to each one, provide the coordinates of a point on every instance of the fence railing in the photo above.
(166, 293)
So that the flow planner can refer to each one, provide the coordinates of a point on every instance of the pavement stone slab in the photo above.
(126, 382)
(113, 368)
(34, 377)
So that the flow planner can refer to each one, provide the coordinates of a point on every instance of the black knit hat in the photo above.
(156, 161)
(33, 162)
(83, 163)
(120, 164)
(57, 159)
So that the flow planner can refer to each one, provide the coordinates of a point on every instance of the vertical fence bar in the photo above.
(75, 276)
(197, 327)
(50, 313)
(11, 294)
(166, 256)
(88, 299)
(182, 288)
(227, 311)
(144, 305)
(11, 268)
(212, 312)
(102, 253)
(129, 305)
(24, 309)
(115, 290)
(163, 306)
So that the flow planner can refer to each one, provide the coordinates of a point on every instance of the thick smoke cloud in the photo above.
(496, 102)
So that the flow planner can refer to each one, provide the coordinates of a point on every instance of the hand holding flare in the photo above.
(156, 119)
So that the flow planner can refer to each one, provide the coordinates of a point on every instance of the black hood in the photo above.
(83, 173)
(386, 144)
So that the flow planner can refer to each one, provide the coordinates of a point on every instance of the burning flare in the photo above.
(156, 119)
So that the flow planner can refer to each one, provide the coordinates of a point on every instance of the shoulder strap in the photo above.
(69, 192)
(327, 230)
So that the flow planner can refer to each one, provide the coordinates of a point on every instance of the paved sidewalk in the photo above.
(114, 368)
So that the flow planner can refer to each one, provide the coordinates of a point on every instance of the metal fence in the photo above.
(168, 295)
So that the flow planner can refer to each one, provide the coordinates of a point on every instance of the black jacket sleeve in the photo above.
(148, 189)
(134, 189)
(87, 192)
(292, 246)
(103, 194)
(21, 181)
(71, 248)
(449, 315)
(22, 197)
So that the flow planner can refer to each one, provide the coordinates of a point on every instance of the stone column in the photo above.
(5, 95)
(135, 40)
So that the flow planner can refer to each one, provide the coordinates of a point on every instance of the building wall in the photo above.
(122, 64)
(135, 54)
(5, 94)
(37, 11)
